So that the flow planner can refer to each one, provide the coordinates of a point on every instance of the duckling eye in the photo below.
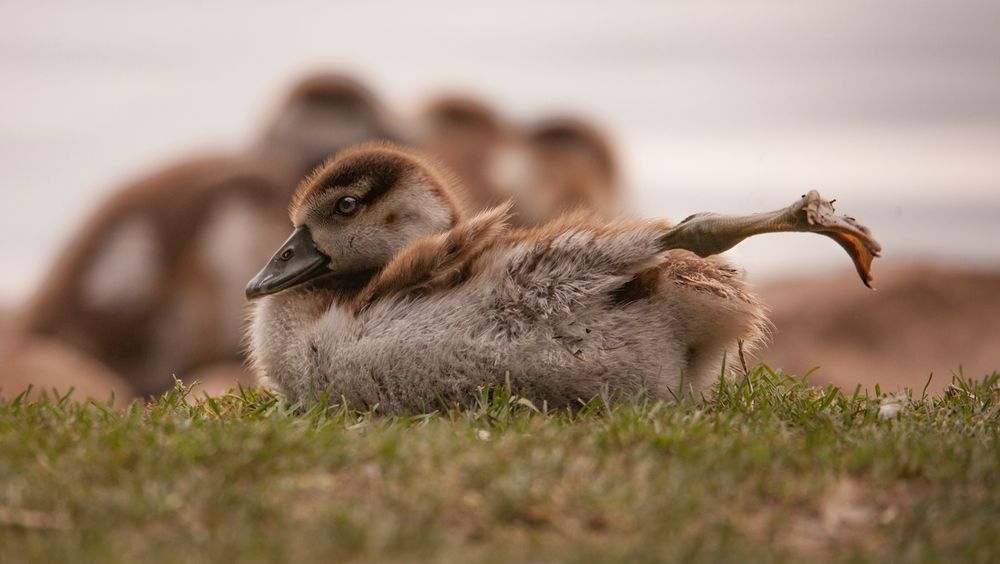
(346, 205)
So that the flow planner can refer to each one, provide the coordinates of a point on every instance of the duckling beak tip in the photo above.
(297, 261)
(256, 287)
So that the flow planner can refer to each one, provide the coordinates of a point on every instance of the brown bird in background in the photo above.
(572, 166)
(545, 169)
(467, 135)
(151, 286)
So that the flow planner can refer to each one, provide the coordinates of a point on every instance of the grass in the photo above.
(769, 469)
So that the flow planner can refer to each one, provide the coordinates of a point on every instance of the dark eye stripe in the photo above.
(376, 169)
(382, 177)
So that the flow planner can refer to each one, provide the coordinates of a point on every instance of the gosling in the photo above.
(389, 295)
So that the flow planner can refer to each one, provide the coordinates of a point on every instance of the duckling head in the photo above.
(356, 212)
(325, 113)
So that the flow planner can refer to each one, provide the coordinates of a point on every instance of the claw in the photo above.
(855, 238)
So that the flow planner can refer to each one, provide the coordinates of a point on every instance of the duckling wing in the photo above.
(437, 262)
(561, 264)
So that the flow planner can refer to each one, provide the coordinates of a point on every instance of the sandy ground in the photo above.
(49, 366)
(923, 319)
(217, 379)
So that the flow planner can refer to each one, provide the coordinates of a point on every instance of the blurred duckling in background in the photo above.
(570, 165)
(468, 136)
(151, 286)
(389, 293)
(550, 167)
(145, 287)
(322, 114)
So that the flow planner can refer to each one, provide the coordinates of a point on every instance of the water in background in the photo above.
(893, 107)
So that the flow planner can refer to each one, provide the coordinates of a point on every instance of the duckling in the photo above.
(143, 287)
(151, 286)
(550, 167)
(571, 166)
(323, 113)
(468, 136)
(388, 293)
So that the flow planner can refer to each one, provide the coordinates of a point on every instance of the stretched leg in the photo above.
(708, 234)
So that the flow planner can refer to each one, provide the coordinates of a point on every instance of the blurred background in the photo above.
(891, 107)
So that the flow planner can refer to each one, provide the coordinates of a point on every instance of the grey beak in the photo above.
(296, 262)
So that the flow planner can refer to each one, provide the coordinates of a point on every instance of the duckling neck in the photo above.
(309, 302)
(343, 288)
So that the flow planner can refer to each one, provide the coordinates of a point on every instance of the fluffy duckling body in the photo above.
(151, 285)
(389, 294)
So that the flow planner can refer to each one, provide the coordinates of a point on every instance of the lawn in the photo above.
(768, 469)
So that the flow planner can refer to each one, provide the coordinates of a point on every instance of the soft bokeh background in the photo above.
(893, 107)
